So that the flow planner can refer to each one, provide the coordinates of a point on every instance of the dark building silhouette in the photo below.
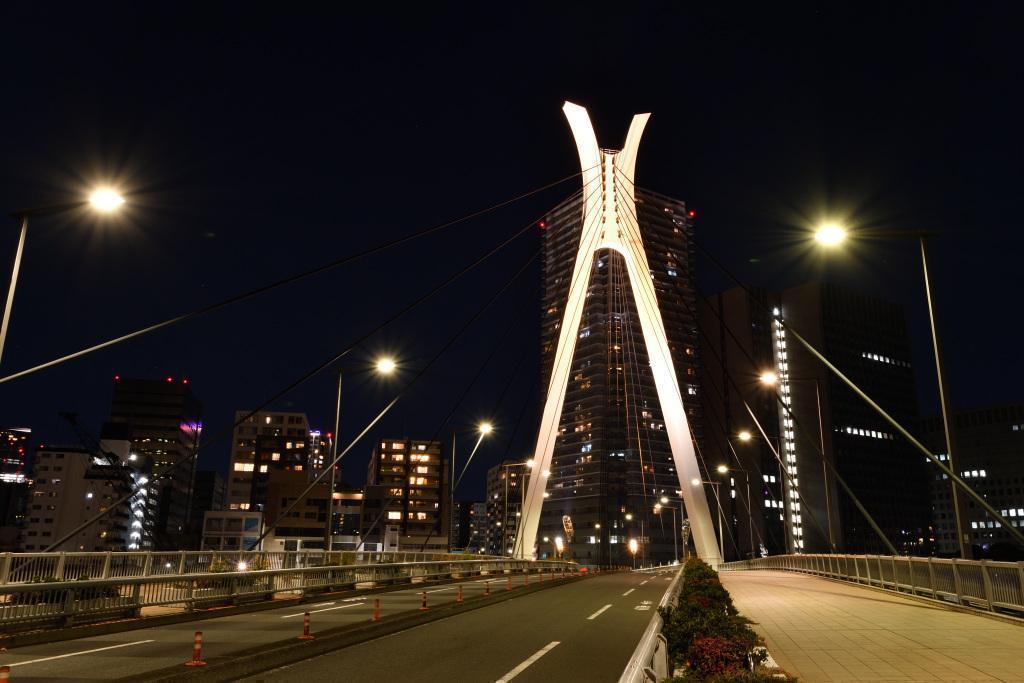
(612, 462)
(164, 419)
(989, 444)
(867, 339)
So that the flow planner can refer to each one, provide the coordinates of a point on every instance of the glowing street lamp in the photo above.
(383, 366)
(769, 377)
(744, 436)
(559, 546)
(830, 234)
(723, 469)
(633, 547)
(104, 200)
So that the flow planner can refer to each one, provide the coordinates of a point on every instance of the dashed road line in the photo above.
(596, 614)
(533, 658)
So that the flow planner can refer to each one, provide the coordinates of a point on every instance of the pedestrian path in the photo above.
(821, 630)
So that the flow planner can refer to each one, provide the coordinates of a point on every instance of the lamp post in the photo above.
(633, 547)
(675, 538)
(104, 200)
(725, 469)
(833, 235)
(383, 366)
(483, 429)
(721, 538)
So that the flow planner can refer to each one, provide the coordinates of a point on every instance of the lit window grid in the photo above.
(788, 437)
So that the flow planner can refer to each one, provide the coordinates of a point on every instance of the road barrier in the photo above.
(5, 673)
(423, 606)
(459, 598)
(305, 628)
(197, 651)
(376, 609)
(649, 662)
(56, 604)
(979, 584)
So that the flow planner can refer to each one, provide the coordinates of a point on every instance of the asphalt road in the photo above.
(584, 631)
(131, 653)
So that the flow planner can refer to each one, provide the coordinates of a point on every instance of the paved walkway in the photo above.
(821, 630)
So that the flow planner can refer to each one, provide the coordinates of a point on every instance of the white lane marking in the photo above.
(83, 652)
(440, 590)
(643, 582)
(325, 604)
(596, 614)
(533, 658)
(628, 592)
(326, 609)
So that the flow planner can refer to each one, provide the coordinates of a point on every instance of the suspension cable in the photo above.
(280, 283)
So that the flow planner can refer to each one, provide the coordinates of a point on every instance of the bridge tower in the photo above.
(609, 205)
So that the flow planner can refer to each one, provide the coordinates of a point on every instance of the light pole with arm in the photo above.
(675, 537)
(103, 201)
(832, 235)
(725, 469)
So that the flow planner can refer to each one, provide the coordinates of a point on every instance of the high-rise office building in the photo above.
(265, 423)
(405, 504)
(989, 445)
(468, 526)
(612, 462)
(164, 422)
(867, 339)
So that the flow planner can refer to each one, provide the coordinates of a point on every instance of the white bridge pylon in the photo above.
(609, 223)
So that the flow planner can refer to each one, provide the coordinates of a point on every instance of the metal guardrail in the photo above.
(650, 659)
(981, 584)
(61, 603)
(26, 567)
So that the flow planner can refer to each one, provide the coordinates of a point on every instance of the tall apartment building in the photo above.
(164, 422)
(867, 339)
(612, 462)
(244, 446)
(506, 493)
(989, 444)
(405, 504)
(305, 525)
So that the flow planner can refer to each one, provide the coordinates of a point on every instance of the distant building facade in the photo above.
(405, 506)
(867, 339)
(165, 422)
(506, 492)
(289, 426)
(231, 530)
(469, 525)
(989, 445)
(14, 454)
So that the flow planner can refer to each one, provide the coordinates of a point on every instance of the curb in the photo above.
(252, 661)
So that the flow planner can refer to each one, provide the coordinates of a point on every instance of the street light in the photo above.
(725, 469)
(944, 398)
(633, 547)
(830, 234)
(104, 200)
(483, 429)
(675, 537)
(744, 435)
(383, 366)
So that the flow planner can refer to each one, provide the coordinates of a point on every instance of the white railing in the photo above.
(54, 604)
(650, 661)
(28, 567)
(981, 584)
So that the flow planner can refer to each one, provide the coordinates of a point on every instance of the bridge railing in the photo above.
(27, 567)
(982, 584)
(51, 604)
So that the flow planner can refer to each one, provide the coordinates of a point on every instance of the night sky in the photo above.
(257, 145)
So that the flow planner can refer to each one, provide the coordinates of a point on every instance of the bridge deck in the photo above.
(821, 630)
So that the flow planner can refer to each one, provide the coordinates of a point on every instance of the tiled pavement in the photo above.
(820, 630)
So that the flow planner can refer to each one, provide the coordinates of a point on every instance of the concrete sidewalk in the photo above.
(820, 630)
